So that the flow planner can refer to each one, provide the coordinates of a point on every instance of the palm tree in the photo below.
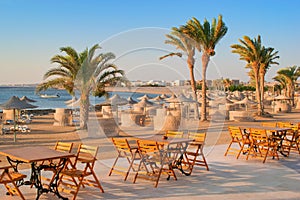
(290, 75)
(227, 83)
(85, 72)
(252, 78)
(205, 39)
(184, 44)
(268, 59)
(282, 84)
(251, 51)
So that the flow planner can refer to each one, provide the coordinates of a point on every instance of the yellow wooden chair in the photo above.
(291, 140)
(63, 146)
(79, 173)
(194, 154)
(154, 162)
(262, 144)
(11, 179)
(127, 151)
(240, 141)
(269, 124)
(174, 134)
(283, 124)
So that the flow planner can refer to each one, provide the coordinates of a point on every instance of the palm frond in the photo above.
(170, 54)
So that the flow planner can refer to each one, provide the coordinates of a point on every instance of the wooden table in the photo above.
(34, 155)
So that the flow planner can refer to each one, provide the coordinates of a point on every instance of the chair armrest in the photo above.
(83, 160)
(6, 166)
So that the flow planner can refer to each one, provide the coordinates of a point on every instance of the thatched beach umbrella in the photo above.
(14, 103)
(74, 99)
(115, 101)
(158, 100)
(131, 101)
(144, 103)
(146, 96)
(73, 103)
(164, 96)
(25, 98)
(282, 97)
(245, 102)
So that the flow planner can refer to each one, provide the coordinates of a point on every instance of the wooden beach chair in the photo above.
(291, 139)
(174, 134)
(154, 162)
(194, 154)
(11, 179)
(127, 151)
(240, 141)
(80, 173)
(262, 144)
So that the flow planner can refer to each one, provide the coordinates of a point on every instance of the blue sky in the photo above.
(32, 31)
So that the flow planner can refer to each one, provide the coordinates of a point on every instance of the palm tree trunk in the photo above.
(205, 60)
(257, 86)
(191, 62)
(293, 94)
(262, 88)
(84, 110)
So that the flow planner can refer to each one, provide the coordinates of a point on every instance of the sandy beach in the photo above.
(43, 133)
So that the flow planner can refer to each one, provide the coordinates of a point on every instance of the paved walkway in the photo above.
(228, 178)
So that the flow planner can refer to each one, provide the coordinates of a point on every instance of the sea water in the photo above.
(52, 103)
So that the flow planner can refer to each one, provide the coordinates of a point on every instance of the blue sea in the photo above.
(52, 103)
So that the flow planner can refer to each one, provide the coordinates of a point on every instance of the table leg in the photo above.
(53, 186)
(178, 161)
(281, 137)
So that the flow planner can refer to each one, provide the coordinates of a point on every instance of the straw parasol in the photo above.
(144, 103)
(172, 99)
(116, 101)
(164, 96)
(245, 102)
(74, 99)
(73, 103)
(25, 98)
(14, 103)
(144, 97)
(131, 100)
(158, 99)
(282, 97)
(183, 98)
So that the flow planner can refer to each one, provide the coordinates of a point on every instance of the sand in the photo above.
(45, 134)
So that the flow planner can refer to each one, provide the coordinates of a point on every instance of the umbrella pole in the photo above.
(15, 123)
(117, 116)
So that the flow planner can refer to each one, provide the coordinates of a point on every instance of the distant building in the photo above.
(209, 83)
(235, 82)
(156, 82)
(178, 83)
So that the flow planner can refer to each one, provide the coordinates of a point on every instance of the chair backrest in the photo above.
(294, 127)
(121, 144)
(63, 146)
(87, 154)
(269, 124)
(146, 146)
(197, 137)
(235, 132)
(258, 134)
(292, 134)
(283, 124)
(174, 134)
